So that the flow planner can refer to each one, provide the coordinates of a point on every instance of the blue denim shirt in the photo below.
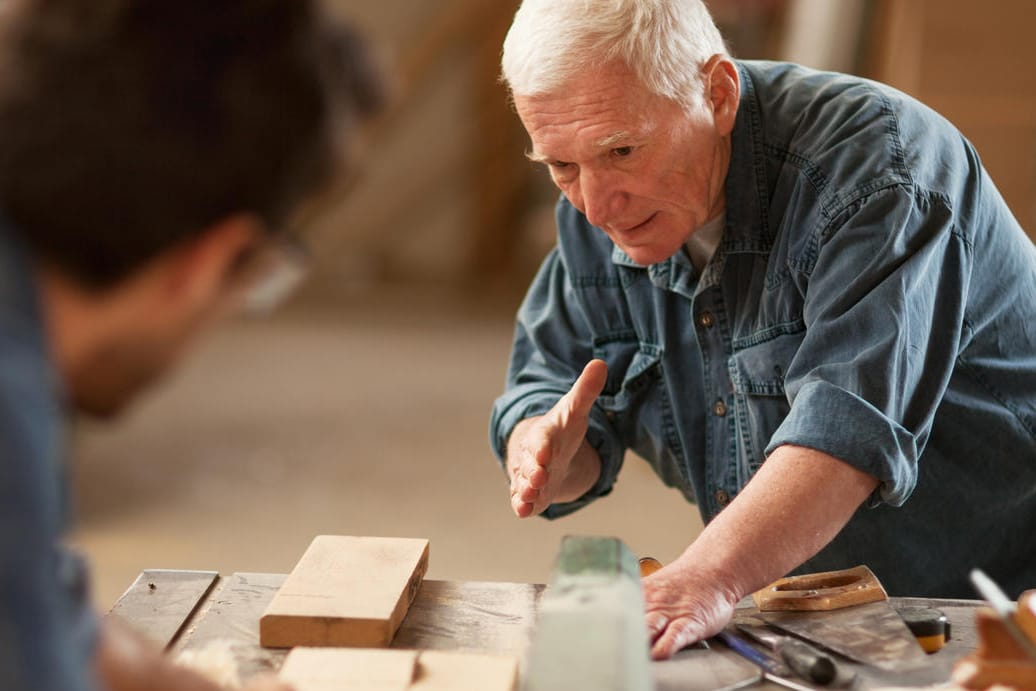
(872, 298)
(47, 629)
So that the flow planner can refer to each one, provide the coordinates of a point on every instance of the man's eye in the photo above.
(622, 151)
(559, 165)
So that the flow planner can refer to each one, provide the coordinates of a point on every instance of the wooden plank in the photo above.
(346, 591)
(332, 669)
(473, 616)
(230, 621)
(446, 671)
(590, 632)
(356, 669)
(160, 602)
(494, 618)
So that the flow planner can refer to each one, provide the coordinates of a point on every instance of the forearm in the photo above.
(798, 501)
(581, 474)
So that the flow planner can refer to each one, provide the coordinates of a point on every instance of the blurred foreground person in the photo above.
(803, 302)
(152, 153)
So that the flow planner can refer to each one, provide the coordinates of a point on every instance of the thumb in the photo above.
(587, 388)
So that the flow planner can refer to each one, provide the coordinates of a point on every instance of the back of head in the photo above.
(664, 42)
(126, 126)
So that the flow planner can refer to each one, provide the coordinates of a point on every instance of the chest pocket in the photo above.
(760, 402)
(632, 368)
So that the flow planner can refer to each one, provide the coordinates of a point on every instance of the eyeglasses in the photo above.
(274, 274)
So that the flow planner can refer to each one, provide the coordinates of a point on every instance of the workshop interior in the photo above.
(361, 407)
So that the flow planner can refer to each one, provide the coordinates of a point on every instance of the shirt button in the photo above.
(722, 498)
(706, 320)
(720, 408)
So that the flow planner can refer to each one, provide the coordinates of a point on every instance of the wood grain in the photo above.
(447, 671)
(346, 591)
(356, 669)
(160, 602)
(471, 615)
(823, 591)
(230, 618)
(332, 669)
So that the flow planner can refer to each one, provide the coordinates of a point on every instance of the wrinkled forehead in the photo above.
(601, 96)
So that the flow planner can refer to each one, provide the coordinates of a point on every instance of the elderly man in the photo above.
(802, 301)
(151, 152)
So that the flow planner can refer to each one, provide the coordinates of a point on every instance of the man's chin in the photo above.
(103, 408)
(646, 256)
(105, 397)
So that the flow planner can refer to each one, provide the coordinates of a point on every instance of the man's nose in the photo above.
(601, 198)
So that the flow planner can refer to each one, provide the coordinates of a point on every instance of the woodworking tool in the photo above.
(844, 611)
(1004, 609)
(771, 669)
(648, 565)
(803, 659)
(930, 627)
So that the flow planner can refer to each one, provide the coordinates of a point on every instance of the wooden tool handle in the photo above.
(821, 591)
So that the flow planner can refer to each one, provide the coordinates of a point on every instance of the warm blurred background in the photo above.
(362, 407)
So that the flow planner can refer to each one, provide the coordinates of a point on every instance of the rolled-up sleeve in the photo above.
(552, 344)
(884, 309)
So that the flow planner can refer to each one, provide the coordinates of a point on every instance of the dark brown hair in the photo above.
(126, 126)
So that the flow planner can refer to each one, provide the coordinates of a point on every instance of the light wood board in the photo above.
(365, 669)
(346, 591)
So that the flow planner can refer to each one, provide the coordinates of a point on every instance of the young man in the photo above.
(152, 152)
(803, 302)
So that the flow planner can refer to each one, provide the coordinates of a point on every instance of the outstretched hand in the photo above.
(548, 458)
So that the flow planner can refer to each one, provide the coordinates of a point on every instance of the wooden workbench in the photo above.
(193, 610)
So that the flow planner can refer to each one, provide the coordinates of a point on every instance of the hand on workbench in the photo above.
(548, 457)
(682, 607)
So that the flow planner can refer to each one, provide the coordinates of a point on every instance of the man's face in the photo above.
(639, 166)
(129, 365)
(163, 310)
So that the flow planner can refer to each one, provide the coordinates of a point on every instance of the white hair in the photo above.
(664, 42)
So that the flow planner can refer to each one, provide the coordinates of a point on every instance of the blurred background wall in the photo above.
(362, 408)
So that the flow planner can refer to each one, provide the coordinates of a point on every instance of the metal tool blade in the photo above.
(872, 634)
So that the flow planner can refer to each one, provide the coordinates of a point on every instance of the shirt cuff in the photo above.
(599, 434)
(834, 421)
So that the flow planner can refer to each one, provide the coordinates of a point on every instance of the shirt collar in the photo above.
(748, 228)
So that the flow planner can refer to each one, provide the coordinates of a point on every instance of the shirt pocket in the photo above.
(633, 366)
(760, 401)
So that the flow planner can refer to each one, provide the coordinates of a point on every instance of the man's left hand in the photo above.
(682, 608)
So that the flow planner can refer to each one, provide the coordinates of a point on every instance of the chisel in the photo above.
(803, 659)
(771, 668)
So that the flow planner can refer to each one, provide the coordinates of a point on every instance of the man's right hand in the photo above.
(548, 457)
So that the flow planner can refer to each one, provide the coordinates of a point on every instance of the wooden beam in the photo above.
(332, 669)
(591, 632)
(346, 591)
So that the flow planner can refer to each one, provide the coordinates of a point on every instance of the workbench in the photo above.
(190, 610)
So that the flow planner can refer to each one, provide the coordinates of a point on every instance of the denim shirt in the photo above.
(872, 298)
(47, 628)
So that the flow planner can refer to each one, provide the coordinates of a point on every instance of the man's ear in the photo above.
(201, 269)
(723, 88)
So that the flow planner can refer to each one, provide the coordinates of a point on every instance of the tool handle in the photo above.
(806, 661)
(821, 591)
(1004, 608)
(746, 650)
